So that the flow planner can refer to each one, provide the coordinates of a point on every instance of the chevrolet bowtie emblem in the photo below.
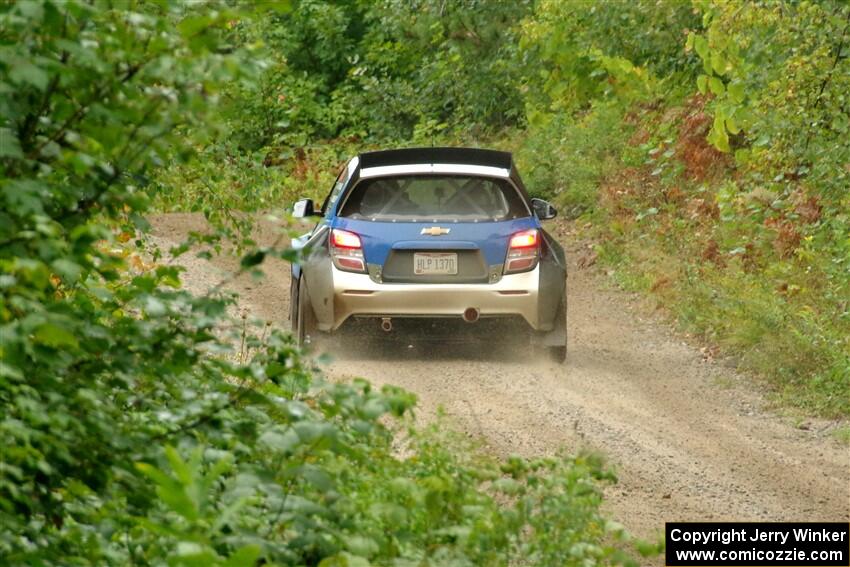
(435, 231)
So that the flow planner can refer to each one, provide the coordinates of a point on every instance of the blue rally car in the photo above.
(416, 236)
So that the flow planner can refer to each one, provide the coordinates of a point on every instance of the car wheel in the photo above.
(305, 320)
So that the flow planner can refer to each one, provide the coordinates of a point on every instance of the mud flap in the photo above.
(316, 269)
(552, 288)
(555, 338)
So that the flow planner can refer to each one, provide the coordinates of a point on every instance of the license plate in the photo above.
(434, 263)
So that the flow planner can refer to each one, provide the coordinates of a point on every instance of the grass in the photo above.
(843, 435)
(672, 220)
(802, 355)
(228, 179)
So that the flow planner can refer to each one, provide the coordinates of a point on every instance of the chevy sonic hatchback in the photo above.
(419, 235)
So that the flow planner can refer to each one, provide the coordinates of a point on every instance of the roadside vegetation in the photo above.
(144, 425)
(705, 146)
(701, 145)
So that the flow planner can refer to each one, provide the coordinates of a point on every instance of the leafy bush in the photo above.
(375, 71)
(578, 52)
(565, 159)
(715, 174)
(221, 182)
(144, 425)
(631, 110)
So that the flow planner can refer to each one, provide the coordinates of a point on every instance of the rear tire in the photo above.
(558, 354)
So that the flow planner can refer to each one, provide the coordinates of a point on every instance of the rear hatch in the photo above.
(435, 252)
(435, 228)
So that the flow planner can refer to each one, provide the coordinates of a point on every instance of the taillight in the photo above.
(523, 251)
(345, 239)
(347, 251)
(525, 239)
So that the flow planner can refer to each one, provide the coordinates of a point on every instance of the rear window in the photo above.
(434, 197)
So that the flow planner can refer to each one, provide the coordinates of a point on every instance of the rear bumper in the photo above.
(358, 295)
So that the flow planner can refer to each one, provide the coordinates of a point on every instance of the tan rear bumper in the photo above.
(356, 294)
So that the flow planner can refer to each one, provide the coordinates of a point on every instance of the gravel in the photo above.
(689, 438)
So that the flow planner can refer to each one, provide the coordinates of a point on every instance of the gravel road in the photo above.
(690, 437)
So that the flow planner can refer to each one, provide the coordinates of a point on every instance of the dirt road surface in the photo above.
(690, 439)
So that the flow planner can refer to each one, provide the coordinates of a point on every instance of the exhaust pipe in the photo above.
(470, 315)
(386, 324)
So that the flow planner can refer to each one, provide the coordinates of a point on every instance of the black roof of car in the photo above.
(410, 156)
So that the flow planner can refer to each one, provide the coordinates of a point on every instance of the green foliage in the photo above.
(308, 56)
(755, 271)
(144, 425)
(579, 52)
(624, 125)
(335, 76)
(566, 158)
(377, 70)
(459, 58)
(221, 182)
(779, 74)
(581, 80)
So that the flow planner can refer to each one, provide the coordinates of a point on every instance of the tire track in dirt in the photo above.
(689, 439)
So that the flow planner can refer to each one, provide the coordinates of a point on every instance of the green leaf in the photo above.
(10, 371)
(24, 72)
(317, 477)
(182, 469)
(310, 431)
(55, 336)
(701, 46)
(374, 408)
(154, 307)
(253, 259)
(736, 92)
(702, 84)
(66, 269)
(344, 560)
(245, 556)
(715, 85)
(718, 64)
(31, 10)
(718, 137)
(10, 146)
(286, 441)
(281, 6)
(732, 125)
(193, 25)
(194, 554)
(389, 512)
(140, 222)
(361, 545)
(170, 492)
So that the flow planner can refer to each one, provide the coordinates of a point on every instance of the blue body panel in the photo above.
(435, 245)
(379, 238)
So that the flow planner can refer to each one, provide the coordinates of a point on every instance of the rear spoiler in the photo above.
(411, 156)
